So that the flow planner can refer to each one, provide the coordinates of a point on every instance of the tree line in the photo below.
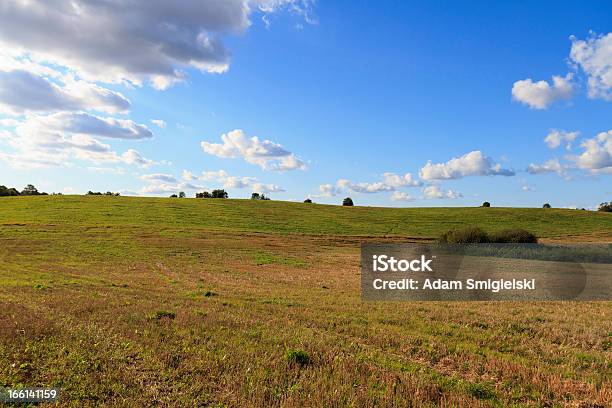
(28, 190)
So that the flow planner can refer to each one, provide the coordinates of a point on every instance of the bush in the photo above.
(348, 201)
(605, 207)
(475, 235)
(182, 194)
(6, 191)
(299, 357)
(486, 204)
(470, 235)
(308, 201)
(546, 206)
(513, 236)
(175, 196)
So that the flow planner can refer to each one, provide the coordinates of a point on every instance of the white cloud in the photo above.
(53, 140)
(594, 56)
(130, 41)
(266, 188)
(434, 192)
(264, 153)
(556, 137)
(526, 188)
(23, 91)
(328, 190)
(159, 123)
(227, 181)
(541, 94)
(167, 178)
(470, 164)
(550, 166)
(597, 155)
(401, 196)
(367, 188)
(397, 181)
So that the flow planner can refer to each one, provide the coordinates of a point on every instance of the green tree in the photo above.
(486, 204)
(219, 193)
(29, 190)
(182, 194)
(348, 201)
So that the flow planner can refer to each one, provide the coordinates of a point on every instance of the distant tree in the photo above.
(546, 206)
(93, 193)
(255, 196)
(6, 191)
(486, 204)
(182, 194)
(605, 207)
(308, 201)
(204, 194)
(348, 201)
(219, 193)
(173, 196)
(29, 190)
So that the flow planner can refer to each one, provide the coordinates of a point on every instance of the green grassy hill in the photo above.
(288, 217)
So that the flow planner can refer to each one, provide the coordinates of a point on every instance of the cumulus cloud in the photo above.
(264, 153)
(52, 140)
(23, 91)
(167, 178)
(597, 155)
(401, 196)
(159, 123)
(541, 94)
(594, 56)
(130, 41)
(474, 163)
(557, 137)
(550, 166)
(390, 182)
(227, 181)
(328, 190)
(435, 192)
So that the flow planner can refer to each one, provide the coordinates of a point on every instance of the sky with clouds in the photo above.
(391, 103)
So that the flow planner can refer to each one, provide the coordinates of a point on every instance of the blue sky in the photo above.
(350, 90)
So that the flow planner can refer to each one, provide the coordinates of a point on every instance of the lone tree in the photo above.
(605, 207)
(219, 193)
(348, 201)
(182, 194)
(29, 190)
(546, 206)
(308, 201)
(486, 204)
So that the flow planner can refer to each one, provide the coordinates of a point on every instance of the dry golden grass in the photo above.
(90, 309)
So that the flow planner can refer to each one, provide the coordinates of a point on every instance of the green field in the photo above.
(182, 302)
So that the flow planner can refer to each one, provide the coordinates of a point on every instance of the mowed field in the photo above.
(182, 302)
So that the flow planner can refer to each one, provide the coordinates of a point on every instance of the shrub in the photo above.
(546, 206)
(605, 207)
(469, 235)
(348, 201)
(299, 357)
(513, 236)
(173, 196)
(308, 201)
(6, 191)
(486, 204)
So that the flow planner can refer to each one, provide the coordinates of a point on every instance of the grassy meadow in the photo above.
(230, 303)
